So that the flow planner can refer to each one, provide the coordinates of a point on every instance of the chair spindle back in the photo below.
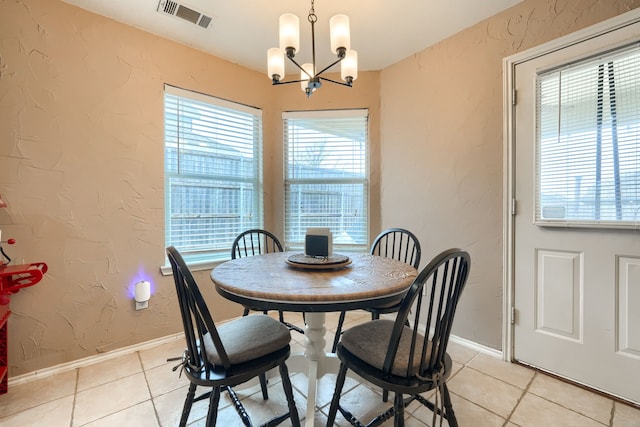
(254, 242)
(430, 306)
(399, 244)
(196, 318)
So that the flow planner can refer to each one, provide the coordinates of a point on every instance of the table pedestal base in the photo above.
(315, 361)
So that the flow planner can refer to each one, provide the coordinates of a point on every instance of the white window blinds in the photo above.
(213, 173)
(588, 149)
(326, 176)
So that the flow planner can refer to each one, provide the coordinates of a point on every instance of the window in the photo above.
(588, 142)
(326, 176)
(213, 173)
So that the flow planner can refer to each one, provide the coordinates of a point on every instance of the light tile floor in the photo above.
(140, 389)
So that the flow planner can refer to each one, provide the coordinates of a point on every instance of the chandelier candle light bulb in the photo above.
(289, 33)
(310, 77)
(340, 34)
(306, 74)
(275, 63)
(349, 66)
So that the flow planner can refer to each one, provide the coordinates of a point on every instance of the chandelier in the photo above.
(310, 77)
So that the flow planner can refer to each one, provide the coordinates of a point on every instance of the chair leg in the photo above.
(263, 386)
(245, 312)
(214, 399)
(288, 391)
(335, 401)
(188, 403)
(291, 326)
(336, 339)
(448, 407)
(398, 406)
(294, 328)
(241, 411)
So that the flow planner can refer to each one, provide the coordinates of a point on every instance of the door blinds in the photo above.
(588, 150)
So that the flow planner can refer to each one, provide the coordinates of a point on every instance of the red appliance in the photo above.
(12, 279)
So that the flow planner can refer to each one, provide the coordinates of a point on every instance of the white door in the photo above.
(577, 288)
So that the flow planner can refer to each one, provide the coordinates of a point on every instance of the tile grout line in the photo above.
(526, 390)
(146, 380)
(477, 405)
(537, 372)
(108, 382)
(524, 393)
(613, 414)
(571, 409)
(75, 396)
(468, 365)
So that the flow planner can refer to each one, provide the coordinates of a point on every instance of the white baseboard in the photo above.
(477, 347)
(64, 367)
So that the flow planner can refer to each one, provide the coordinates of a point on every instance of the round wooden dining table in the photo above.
(279, 281)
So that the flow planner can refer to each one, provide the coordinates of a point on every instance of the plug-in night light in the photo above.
(142, 294)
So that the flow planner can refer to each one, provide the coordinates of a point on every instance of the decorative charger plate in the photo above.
(312, 263)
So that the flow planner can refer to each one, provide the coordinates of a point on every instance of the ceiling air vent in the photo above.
(180, 10)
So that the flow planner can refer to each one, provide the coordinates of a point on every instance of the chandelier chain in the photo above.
(312, 14)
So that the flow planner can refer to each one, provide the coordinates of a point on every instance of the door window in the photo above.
(587, 142)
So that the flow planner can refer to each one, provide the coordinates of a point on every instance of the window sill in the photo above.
(165, 270)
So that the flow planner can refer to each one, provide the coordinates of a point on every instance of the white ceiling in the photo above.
(383, 32)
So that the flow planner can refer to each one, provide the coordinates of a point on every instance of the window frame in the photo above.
(208, 257)
(364, 181)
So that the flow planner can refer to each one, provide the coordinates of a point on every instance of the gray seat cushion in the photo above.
(248, 338)
(369, 342)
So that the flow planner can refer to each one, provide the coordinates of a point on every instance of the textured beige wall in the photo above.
(81, 167)
(442, 143)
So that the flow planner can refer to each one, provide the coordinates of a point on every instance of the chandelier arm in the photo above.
(335, 81)
(300, 67)
(329, 66)
(280, 82)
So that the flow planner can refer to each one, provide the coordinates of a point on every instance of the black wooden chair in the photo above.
(232, 354)
(256, 242)
(408, 360)
(396, 243)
